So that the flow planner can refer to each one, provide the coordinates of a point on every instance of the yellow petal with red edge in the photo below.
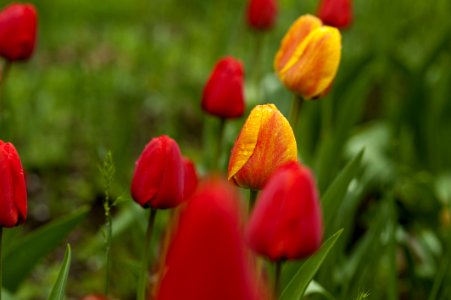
(300, 29)
(313, 66)
(261, 147)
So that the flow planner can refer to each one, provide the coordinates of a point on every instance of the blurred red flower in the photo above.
(18, 23)
(337, 13)
(207, 257)
(13, 190)
(223, 95)
(286, 222)
(261, 14)
(159, 176)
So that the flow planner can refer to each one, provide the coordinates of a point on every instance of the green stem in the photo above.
(1, 260)
(219, 145)
(252, 199)
(277, 273)
(109, 234)
(295, 111)
(4, 75)
(142, 283)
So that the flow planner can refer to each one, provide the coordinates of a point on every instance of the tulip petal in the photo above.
(307, 72)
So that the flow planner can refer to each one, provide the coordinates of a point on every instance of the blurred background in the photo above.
(110, 75)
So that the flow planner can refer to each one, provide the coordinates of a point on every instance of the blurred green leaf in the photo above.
(59, 288)
(6, 295)
(296, 287)
(21, 258)
(315, 288)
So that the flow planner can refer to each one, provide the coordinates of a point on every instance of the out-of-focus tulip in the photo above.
(207, 257)
(261, 14)
(13, 191)
(286, 222)
(223, 94)
(265, 142)
(337, 13)
(18, 24)
(159, 176)
(308, 58)
(190, 178)
(94, 297)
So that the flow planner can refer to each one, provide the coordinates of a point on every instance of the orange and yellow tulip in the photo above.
(265, 142)
(308, 58)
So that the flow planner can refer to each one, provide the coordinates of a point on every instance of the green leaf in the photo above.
(315, 288)
(20, 259)
(59, 288)
(337, 190)
(298, 284)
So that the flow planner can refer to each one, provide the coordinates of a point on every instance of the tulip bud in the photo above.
(223, 94)
(158, 178)
(286, 222)
(261, 14)
(265, 142)
(13, 191)
(190, 178)
(207, 257)
(308, 58)
(18, 24)
(337, 13)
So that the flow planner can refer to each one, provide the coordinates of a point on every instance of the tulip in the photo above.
(207, 256)
(308, 58)
(223, 94)
(337, 13)
(13, 191)
(18, 24)
(190, 178)
(265, 142)
(286, 222)
(261, 14)
(158, 178)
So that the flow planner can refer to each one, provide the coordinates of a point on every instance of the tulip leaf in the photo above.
(20, 259)
(59, 288)
(315, 288)
(298, 284)
(337, 190)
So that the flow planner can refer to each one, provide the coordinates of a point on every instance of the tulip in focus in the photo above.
(265, 142)
(337, 13)
(207, 256)
(261, 14)
(308, 58)
(190, 178)
(18, 23)
(13, 191)
(286, 222)
(159, 175)
(223, 95)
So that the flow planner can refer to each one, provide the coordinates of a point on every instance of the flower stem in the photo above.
(5, 72)
(219, 145)
(143, 282)
(109, 234)
(252, 199)
(295, 111)
(1, 266)
(277, 273)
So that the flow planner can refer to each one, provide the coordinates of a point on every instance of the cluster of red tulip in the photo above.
(208, 257)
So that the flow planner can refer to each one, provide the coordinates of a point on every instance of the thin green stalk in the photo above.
(142, 283)
(109, 234)
(277, 273)
(295, 111)
(252, 199)
(219, 145)
(4, 75)
(1, 260)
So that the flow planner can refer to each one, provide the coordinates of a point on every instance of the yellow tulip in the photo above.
(265, 142)
(308, 58)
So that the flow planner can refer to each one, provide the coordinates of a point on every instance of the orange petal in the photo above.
(313, 66)
(295, 35)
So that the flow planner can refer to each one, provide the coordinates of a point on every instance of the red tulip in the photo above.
(158, 178)
(286, 222)
(190, 178)
(13, 191)
(261, 14)
(223, 94)
(18, 24)
(207, 257)
(337, 13)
